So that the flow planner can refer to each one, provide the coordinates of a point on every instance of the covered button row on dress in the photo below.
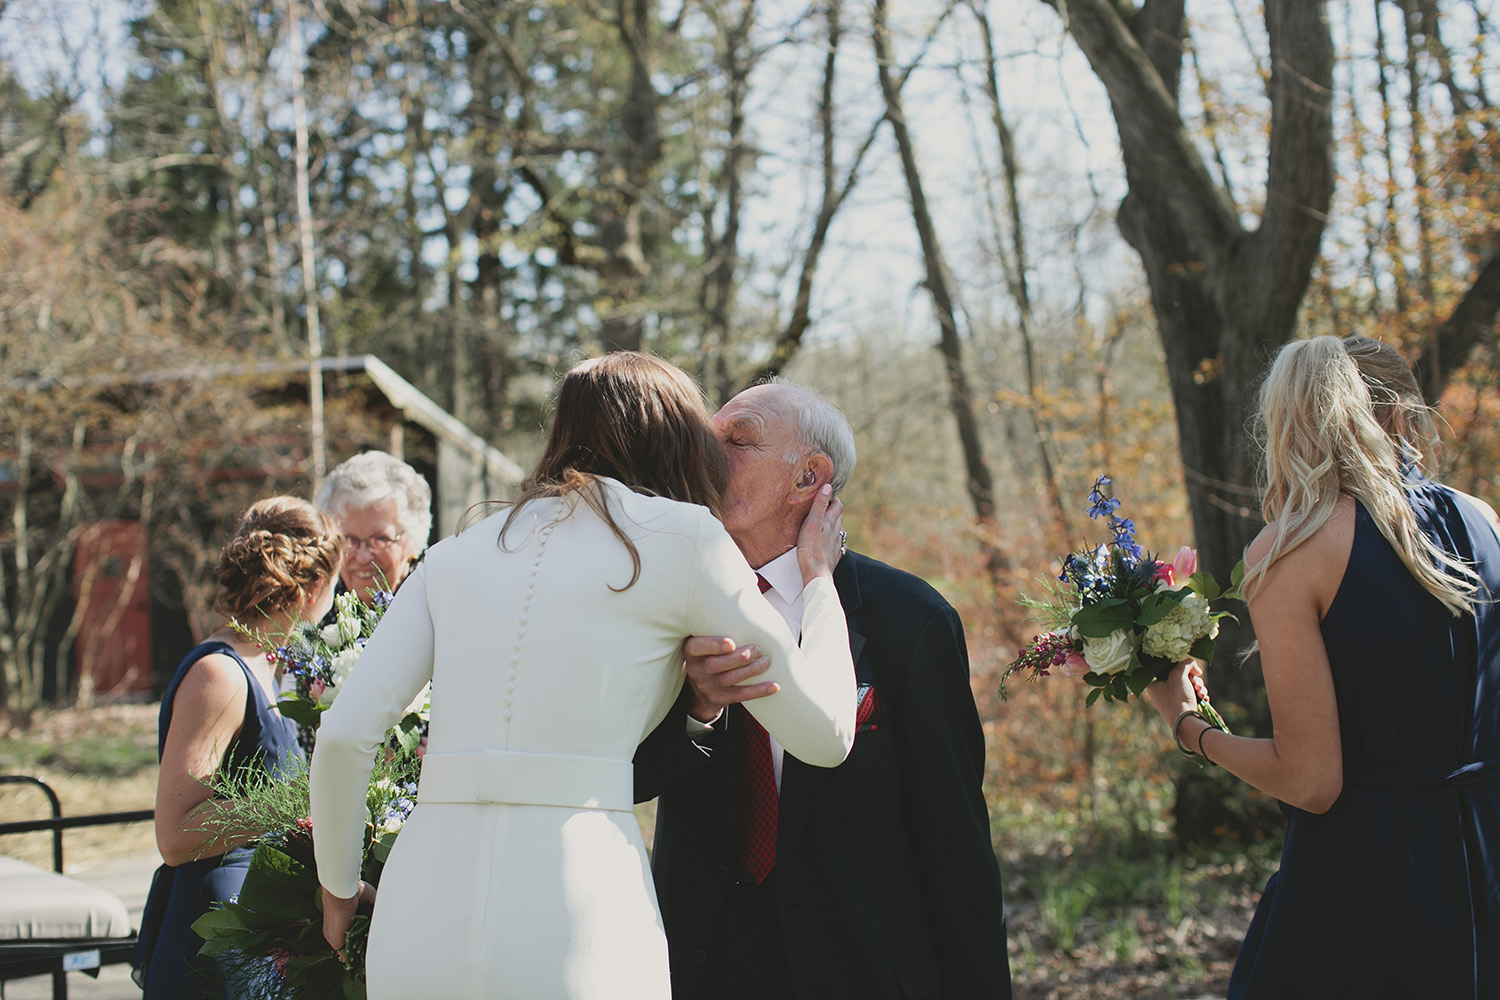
(515, 652)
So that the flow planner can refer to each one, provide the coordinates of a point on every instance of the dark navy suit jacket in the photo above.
(886, 881)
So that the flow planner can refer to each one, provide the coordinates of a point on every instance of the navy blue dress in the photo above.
(168, 950)
(1395, 891)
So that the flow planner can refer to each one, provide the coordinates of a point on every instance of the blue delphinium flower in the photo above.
(1124, 529)
(1094, 573)
(1099, 504)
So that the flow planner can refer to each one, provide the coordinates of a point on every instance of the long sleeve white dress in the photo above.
(521, 873)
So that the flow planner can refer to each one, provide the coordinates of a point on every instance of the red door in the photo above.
(112, 653)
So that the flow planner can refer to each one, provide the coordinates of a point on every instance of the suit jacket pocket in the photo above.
(918, 977)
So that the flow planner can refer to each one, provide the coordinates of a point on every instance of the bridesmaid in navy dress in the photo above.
(1372, 592)
(219, 711)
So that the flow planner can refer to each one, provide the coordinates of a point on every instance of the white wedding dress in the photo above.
(521, 873)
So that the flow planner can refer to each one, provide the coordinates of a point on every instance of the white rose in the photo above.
(332, 635)
(343, 662)
(1111, 654)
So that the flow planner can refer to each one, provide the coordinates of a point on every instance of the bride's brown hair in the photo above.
(636, 419)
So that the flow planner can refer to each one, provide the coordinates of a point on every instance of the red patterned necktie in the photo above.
(758, 801)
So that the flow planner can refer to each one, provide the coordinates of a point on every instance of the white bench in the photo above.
(51, 924)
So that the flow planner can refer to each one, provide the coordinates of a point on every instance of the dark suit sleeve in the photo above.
(668, 754)
(941, 750)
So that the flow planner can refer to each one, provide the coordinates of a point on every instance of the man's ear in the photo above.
(815, 470)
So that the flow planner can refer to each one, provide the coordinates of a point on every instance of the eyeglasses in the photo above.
(375, 543)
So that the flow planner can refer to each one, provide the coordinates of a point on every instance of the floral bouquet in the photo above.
(268, 941)
(1120, 618)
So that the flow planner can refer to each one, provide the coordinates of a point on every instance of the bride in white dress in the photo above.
(552, 637)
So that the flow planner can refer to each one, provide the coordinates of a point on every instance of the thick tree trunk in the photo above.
(1226, 297)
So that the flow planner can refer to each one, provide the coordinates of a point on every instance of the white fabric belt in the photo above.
(528, 779)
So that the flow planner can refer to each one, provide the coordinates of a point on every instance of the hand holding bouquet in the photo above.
(269, 940)
(1120, 618)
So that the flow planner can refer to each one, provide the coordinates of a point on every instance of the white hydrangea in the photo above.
(1172, 638)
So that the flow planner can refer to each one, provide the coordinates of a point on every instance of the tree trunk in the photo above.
(622, 274)
(979, 482)
(1225, 297)
(1019, 280)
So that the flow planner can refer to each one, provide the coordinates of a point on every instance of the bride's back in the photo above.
(541, 646)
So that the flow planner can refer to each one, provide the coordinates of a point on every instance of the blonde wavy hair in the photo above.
(282, 550)
(1342, 417)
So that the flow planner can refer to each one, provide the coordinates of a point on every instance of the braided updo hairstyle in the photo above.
(281, 552)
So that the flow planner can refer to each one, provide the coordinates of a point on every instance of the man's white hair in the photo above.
(822, 427)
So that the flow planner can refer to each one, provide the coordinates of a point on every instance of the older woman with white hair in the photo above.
(384, 508)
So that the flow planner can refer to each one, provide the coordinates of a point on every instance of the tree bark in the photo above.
(1470, 322)
(979, 483)
(1018, 277)
(1225, 297)
(623, 272)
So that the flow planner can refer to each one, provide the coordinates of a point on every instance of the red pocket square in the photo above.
(869, 705)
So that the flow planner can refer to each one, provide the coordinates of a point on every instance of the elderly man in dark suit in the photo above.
(872, 880)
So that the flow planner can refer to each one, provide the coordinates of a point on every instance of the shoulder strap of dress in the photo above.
(169, 696)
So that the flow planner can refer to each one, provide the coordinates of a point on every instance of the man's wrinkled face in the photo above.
(758, 433)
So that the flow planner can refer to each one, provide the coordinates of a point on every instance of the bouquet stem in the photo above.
(1211, 716)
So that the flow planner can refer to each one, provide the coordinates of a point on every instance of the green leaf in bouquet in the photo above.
(300, 710)
(1095, 680)
(1119, 689)
(220, 921)
(1155, 607)
(408, 733)
(380, 849)
(1204, 585)
(279, 893)
(1236, 591)
(248, 941)
(1093, 696)
(1203, 649)
(1139, 680)
(1099, 621)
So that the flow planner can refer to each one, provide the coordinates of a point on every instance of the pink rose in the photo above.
(316, 687)
(1073, 665)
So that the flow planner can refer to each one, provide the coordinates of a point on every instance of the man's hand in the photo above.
(821, 542)
(715, 668)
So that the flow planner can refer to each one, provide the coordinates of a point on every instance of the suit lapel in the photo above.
(800, 782)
